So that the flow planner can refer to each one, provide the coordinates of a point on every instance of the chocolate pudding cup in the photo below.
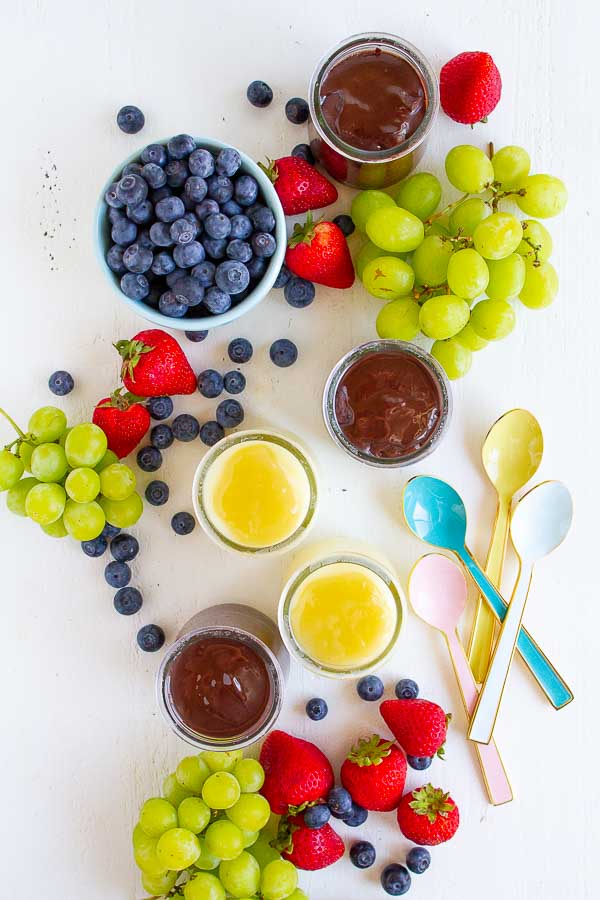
(363, 161)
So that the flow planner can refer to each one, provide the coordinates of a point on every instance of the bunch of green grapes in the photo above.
(453, 275)
(75, 486)
(207, 838)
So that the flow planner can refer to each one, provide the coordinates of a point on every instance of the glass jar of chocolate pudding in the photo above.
(387, 403)
(220, 685)
(373, 100)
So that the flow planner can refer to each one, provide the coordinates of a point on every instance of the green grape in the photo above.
(122, 513)
(453, 357)
(297, 895)
(47, 424)
(420, 195)
(157, 816)
(279, 880)
(369, 252)
(468, 274)
(224, 839)
(493, 319)
(399, 320)
(49, 463)
(366, 203)
(388, 278)
(193, 814)
(250, 813)
(545, 196)
(177, 849)
(465, 217)
(107, 460)
(221, 790)
(439, 228)
(250, 838)
(444, 316)
(537, 234)
(541, 285)
(204, 887)
(82, 485)
(207, 860)
(83, 521)
(221, 761)
(470, 339)
(117, 481)
(395, 229)
(11, 469)
(498, 236)
(15, 499)
(191, 773)
(430, 261)
(56, 529)
(159, 885)
(172, 790)
(507, 277)
(262, 851)
(45, 503)
(240, 877)
(25, 454)
(250, 775)
(511, 165)
(144, 852)
(469, 169)
(63, 438)
(85, 445)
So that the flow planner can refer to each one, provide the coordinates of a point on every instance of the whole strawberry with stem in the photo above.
(470, 87)
(419, 726)
(154, 365)
(123, 420)
(296, 772)
(308, 848)
(428, 816)
(298, 185)
(374, 773)
(319, 252)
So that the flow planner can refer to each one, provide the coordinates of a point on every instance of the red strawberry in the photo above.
(320, 253)
(334, 162)
(419, 726)
(298, 184)
(123, 421)
(428, 816)
(374, 773)
(296, 772)
(154, 365)
(470, 87)
(310, 848)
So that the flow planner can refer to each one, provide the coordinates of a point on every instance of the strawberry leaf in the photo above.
(131, 353)
(370, 751)
(431, 802)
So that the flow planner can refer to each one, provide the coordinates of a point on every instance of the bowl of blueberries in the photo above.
(190, 232)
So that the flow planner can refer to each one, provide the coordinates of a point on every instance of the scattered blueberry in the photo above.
(316, 709)
(137, 259)
(210, 433)
(240, 251)
(317, 816)
(201, 163)
(263, 219)
(117, 574)
(357, 816)
(370, 688)
(210, 383)
(229, 413)
(177, 173)
(246, 190)
(130, 119)
(149, 459)
(345, 224)
(234, 382)
(163, 263)
(283, 353)
(407, 689)
(95, 547)
(183, 523)
(283, 277)
(171, 305)
(240, 350)
(128, 601)
(196, 337)
(220, 188)
(157, 493)
(298, 292)
(418, 860)
(150, 638)
(160, 233)
(419, 762)
(159, 407)
(263, 244)
(124, 547)
(217, 301)
(161, 437)
(61, 383)
(132, 189)
(183, 231)
(185, 427)
(303, 151)
(362, 854)
(180, 146)
(109, 531)
(339, 802)
(136, 287)
(124, 231)
(241, 227)
(232, 276)
(169, 209)
(395, 879)
(142, 213)
(259, 94)
(296, 110)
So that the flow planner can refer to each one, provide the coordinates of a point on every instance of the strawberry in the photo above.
(320, 253)
(428, 816)
(374, 773)
(123, 420)
(298, 184)
(309, 848)
(154, 365)
(296, 772)
(419, 726)
(470, 87)
(334, 162)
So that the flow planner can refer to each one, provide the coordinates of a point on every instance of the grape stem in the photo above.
(499, 195)
(446, 210)
(21, 434)
(536, 250)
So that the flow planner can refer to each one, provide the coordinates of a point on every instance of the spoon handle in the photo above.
(482, 636)
(494, 774)
(553, 685)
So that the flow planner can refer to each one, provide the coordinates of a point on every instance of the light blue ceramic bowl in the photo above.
(202, 323)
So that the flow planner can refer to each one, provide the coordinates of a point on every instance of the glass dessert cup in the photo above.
(441, 400)
(242, 633)
(356, 166)
(256, 492)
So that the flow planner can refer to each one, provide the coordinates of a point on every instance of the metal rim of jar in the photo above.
(412, 55)
(340, 369)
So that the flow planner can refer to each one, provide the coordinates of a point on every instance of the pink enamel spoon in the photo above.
(438, 595)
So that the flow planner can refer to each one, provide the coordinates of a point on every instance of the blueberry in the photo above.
(196, 337)
(283, 353)
(362, 854)
(206, 209)
(214, 247)
(183, 523)
(263, 245)
(395, 879)
(117, 574)
(256, 267)
(144, 240)
(370, 688)
(407, 689)
(163, 263)
(150, 638)
(240, 350)
(259, 94)
(185, 427)
(217, 226)
(115, 214)
(160, 234)
(303, 151)
(154, 175)
(246, 190)
(132, 168)
(419, 762)
(137, 259)
(95, 547)
(109, 531)
(124, 232)
(61, 383)
(154, 153)
(170, 305)
(241, 227)
(161, 437)
(188, 290)
(220, 188)
(204, 273)
(316, 709)
(296, 110)
(112, 198)
(210, 383)
(136, 287)
(181, 145)
(210, 433)
(153, 298)
(418, 860)
(228, 161)
(195, 189)
(142, 213)
(132, 189)
(159, 407)
(160, 194)
(177, 173)
(232, 276)
(169, 209)
(130, 119)
(345, 224)
(149, 459)
(157, 493)
(124, 547)
(234, 382)
(188, 255)
(231, 208)
(317, 816)
(339, 802)
(299, 293)
(358, 815)
(230, 413)
(128, 601)
(201, 163)
(176, 275)
(239, 250)
(263, 220)
(217, 301)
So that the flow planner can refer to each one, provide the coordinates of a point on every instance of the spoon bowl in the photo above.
(438, 591)
(541, 520)
(435, 513)
(512, 451)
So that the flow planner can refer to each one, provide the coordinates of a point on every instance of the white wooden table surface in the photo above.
(82, 742)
